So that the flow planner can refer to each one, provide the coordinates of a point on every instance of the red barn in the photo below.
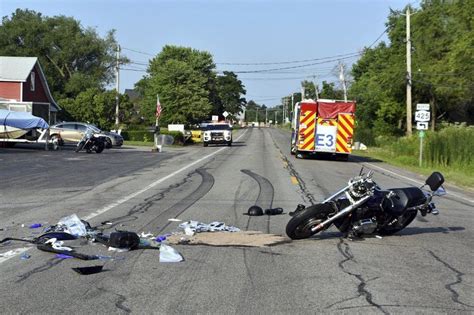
(23, 87)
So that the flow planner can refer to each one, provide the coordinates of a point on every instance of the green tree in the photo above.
(329, 91)
(230, 90)
(309, 89)
(185, 82)
(73, 58)
(97, 107)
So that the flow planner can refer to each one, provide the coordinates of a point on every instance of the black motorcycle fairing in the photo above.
(403, 199)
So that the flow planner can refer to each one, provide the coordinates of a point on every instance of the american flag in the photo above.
(158, 107)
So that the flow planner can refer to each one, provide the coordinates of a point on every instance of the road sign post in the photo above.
(422, 118)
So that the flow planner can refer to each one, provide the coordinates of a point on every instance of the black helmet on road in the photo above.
(255, 210)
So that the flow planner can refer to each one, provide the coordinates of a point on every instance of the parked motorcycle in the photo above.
(91, 142)
(362, 207)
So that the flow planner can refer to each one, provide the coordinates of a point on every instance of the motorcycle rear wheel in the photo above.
(300, 225)
(403, 221)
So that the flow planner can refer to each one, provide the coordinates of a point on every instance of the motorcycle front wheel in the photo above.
(99, 147)
(80, 145)
(300, 225)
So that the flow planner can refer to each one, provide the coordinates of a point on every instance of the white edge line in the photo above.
(19, 251)
(418, 182)
(16, 251)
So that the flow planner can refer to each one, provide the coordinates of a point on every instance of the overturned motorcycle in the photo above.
(362, 207)
(91, 142)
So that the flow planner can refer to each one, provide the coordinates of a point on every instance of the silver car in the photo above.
(74, 131)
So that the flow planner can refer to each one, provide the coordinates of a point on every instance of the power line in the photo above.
(137, 51)
(295, 67)
(281, 62)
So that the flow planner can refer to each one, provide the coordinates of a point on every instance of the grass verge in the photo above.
(463, 178)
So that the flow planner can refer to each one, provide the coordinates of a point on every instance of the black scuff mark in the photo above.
(48, 265)
(449, 286)
(120, 301)
(207, 182)
(145, 205)
(265, 195)
(345, 250)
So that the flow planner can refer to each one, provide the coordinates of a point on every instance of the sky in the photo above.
(275, 33)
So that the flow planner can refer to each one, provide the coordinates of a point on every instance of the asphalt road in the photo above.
(426, 268)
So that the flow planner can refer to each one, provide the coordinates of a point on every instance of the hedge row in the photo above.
(146, 136)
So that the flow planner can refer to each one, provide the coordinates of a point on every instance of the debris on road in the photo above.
(88, 270)
(274, 211)
(255, 211)
(175, 220)
(198, 227)
(169, 255)
(25, 256)
(240, 238)
(35, 225)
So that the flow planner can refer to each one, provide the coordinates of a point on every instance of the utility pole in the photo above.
(409, 126)
(292, 102)
(275, 118)
(343, 80)
(117, 82)
(256, 116)
(315, 87)
(266, 116)
(302, 93)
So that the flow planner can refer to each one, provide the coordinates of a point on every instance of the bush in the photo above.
(137, 135)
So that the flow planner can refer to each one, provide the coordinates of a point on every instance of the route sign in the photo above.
(423, 106)
(422, 115)
(422, 125)
(225, 114)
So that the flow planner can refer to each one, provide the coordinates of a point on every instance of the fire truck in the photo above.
(323, 126)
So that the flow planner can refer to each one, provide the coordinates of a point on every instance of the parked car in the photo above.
(74, 131)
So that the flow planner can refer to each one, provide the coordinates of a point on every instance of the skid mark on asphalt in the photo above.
(346, 252)
(207, 181)
(120, 301)
(265, 195)
(449, 286)
(48, 265)
(146, 204)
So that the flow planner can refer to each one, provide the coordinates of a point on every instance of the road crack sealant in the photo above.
(346, 252)
(450, 286)
(306, 195)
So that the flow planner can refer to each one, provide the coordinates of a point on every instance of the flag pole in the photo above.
(157, 124)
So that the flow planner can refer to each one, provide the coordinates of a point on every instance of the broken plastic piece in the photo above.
(35, 225)
(160, 238)
(25, 256)
(57, 244)
(169, 254)
(88, 270)
(174, 220)
(73, 225)
(63, 256)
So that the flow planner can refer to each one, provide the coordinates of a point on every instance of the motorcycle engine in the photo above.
(365, 226)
